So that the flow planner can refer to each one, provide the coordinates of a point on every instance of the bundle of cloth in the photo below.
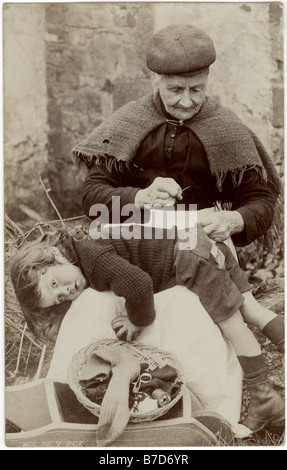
(99, 371)
(182, 327)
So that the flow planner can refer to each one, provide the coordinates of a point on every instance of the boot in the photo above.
(266, 406)
(274, 330)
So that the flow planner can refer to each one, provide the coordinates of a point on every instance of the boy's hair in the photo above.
(25, 273)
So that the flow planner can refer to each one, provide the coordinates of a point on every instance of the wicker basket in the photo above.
(154, 357)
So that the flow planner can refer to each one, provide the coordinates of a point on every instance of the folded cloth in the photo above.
(115, 413)
(95, 391)
(95, 364)
(95, 377)
(162, 378)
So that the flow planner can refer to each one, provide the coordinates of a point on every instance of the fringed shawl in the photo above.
(230, 146)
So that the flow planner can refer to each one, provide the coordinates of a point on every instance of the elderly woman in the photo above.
(178, 146)
(178, 138)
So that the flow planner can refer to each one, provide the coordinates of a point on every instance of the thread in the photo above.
(162, 397)
(147, 405)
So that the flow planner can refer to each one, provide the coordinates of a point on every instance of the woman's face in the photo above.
(60, 282)
(183, 96)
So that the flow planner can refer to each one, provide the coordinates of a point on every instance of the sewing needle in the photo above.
(184, 189)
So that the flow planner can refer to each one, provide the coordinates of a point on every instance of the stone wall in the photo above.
(25, 109)
(95, 64)
(67, 66)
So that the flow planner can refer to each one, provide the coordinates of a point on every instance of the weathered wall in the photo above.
(67, 66)
(25, 108)
(95, 63)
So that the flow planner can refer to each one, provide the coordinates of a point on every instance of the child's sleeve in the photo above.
(112, 272)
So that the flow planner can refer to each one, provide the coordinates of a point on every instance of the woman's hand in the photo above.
(162, 191)
(124, 328)
(220, 225)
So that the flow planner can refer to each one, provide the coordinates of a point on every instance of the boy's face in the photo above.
(60, 282)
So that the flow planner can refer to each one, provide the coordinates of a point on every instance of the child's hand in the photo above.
(124, 327)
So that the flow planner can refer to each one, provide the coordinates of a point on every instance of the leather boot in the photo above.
(266, 406)
(274, 330)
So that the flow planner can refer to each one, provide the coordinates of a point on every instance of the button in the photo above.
(169, 149)
(172, 136)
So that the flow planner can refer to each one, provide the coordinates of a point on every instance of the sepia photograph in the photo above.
(143, 227)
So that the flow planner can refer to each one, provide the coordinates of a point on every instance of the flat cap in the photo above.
(179, 49)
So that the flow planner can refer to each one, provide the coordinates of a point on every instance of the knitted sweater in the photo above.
(134, 269)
